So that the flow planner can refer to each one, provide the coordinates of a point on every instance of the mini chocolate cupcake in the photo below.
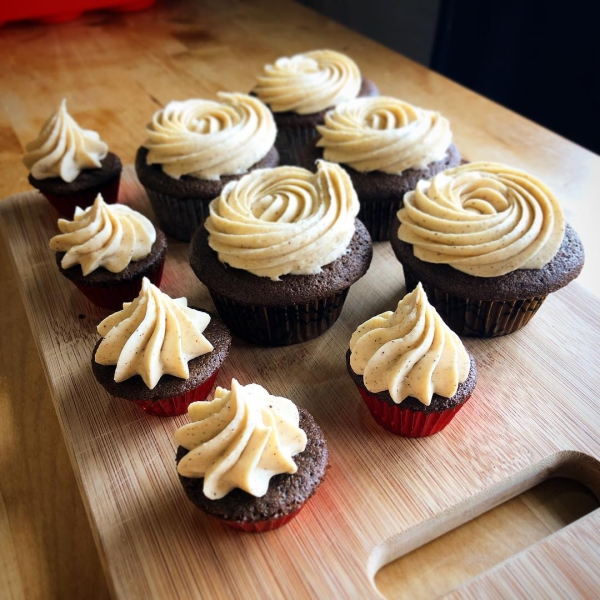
(266, 482)
(489, 243)
(107, 250)
(412, 371)
(299, 90)
(279, 252)
(70, 166)
(160, 353)
(194, 148)
(387, 146)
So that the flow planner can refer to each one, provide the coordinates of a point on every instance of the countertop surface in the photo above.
(115, 70)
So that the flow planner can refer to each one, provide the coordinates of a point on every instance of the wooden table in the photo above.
(116, 70)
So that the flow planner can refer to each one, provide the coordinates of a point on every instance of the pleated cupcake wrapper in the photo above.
(290, 142)
(178, 405)
(260, 526)
(377, 216)
(407, 422)
(279, 326)
(66, 204)
(477, 318)
(178, 217)
(112, 296)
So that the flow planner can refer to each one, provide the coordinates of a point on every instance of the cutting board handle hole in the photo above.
(446, 551)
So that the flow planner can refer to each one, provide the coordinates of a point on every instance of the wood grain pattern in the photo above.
(115, 70)
(453, 559)
(383, 495)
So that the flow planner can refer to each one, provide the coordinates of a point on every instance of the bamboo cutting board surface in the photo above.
(533, 414)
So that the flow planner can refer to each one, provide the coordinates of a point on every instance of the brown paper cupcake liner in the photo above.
(178, 217)
(477, 318)
(280, 326)
(290, 142)
(378, 215)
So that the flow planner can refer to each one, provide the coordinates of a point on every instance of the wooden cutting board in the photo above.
(534, 414)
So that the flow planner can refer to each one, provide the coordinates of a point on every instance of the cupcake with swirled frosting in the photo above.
(160, 353)
(249, 458)
(301, 88)
(411, 369)
(386, 145)
(488, 242)
(106, 251)
(280, 250)
(194, 148)
(70, 165)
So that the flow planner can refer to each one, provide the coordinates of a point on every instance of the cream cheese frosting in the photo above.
(384, 134)
(63, 149)
(152, 336)
(309, 83)
(485, 219)
(286, 220)
(103, 235)
(409, 352)
(240, 439)
(208, 139)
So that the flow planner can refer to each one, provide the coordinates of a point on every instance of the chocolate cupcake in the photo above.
(279, 252)
(265, 484)
(489, 243)
(70, 166)
(412, 371)
(301, 89)
(194, 148)
(107, 250)
(160, 353)
(387, 146)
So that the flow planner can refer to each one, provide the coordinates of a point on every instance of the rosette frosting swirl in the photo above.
(409, 352)
(208, 139)
(63, 149)
(240, 439)
(103, 235)
(310, 82)
(152, 336)
(384, 134)
(281, 221)
(485, 219)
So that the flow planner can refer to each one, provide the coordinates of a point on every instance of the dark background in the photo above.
(540, 59)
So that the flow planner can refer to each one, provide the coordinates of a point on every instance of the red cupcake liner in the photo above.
(178, 405)
(260, 526)
(477, 318)
(112, 296)
(65, 204)
(178, 217)
(405, 421)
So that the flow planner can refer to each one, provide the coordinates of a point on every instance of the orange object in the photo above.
(61, 11)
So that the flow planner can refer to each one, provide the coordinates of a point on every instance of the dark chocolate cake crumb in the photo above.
(286, 493)
(517, 285)
(201, 368)
(153, 177)
(246, 288)
(377, 185)
(438, 403)
(101, 277)
(87, 179)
